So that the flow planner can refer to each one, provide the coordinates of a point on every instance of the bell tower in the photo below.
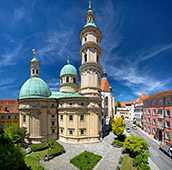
(90, 51)
(34, 66)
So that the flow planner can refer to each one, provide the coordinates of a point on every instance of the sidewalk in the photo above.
(149, 136)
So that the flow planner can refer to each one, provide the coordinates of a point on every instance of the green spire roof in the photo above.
(68, 69)
(34, 88)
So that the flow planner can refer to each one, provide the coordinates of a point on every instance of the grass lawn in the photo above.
(127, 163)
(32, 159)
(86, 160)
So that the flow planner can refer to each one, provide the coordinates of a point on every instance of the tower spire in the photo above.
(68, 60)
(89, 4)
(34, 53)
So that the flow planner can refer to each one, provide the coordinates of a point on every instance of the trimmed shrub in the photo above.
(50, 142)
(38, 146)
(56, 149)
(86, 160)
(117, 143)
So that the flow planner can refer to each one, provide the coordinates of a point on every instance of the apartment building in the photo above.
(157, 118)
(9, 113)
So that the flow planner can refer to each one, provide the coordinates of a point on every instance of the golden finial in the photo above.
(89, 4)
(34, 53)
(68, 59)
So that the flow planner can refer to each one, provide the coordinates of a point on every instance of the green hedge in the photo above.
(38, 147)
(86, 160)
(56, 149)
(117, 143)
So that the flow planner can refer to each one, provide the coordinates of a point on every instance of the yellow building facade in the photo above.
(69, 115)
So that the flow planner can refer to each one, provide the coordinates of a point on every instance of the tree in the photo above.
(10, 155)
(118, 126)
(16, 134)
(141, 158)
(136, 145)
(117, 105)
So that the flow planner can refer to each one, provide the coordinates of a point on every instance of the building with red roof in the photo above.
(157, 118)
(9, 112)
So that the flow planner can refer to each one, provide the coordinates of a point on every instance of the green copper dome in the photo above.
(90, 24)
(34, 88)
(34, 59)
(68, 69)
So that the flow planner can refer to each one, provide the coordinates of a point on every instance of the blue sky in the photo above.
(136, 42)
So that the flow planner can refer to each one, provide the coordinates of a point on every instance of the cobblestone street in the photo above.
(110, 155)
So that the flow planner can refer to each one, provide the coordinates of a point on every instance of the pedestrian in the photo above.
(46, 158)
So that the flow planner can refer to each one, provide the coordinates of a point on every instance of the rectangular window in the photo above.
(167, 112)
(61, 130)
(24, 118)
(2, 117)
(71, 117)
(160, 102)
(53, 130)
(70, 132)
(61, 117)
(53, 122)
(8, 117)
(15, 117)
(154, 111)
(53, 116)
(82, 117)
(82, 131)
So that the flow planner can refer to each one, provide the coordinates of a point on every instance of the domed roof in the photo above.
(34, 59)
(34, 88)
(68, 69)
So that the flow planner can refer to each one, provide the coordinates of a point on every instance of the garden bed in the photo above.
(86, 160)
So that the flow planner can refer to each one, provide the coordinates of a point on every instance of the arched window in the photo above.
(85, 38)
(71, 117)
(61, 81)
(85, 57)
(160, 102)
(97, 58)
(106, 101)
(33, 71)
(36, 71)
(67, 79)
(74, 80)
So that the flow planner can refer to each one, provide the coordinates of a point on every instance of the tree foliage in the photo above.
(142, 157)
(117, 105)
(16, 134)
(136, 145)
(10, 155)
(118, 126)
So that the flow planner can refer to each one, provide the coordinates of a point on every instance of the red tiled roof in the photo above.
(9, 105)
(160, 94)
(105, 85)
(142, 97)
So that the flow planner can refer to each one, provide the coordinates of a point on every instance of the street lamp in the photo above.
(38, 155)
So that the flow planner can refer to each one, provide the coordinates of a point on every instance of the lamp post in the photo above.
(38, 155)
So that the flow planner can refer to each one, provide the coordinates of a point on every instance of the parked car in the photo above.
(166, 149)
(134, 127)
(128, 130)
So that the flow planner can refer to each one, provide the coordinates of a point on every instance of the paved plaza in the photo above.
(110, 155)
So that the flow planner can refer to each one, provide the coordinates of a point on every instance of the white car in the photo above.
(128, 130)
